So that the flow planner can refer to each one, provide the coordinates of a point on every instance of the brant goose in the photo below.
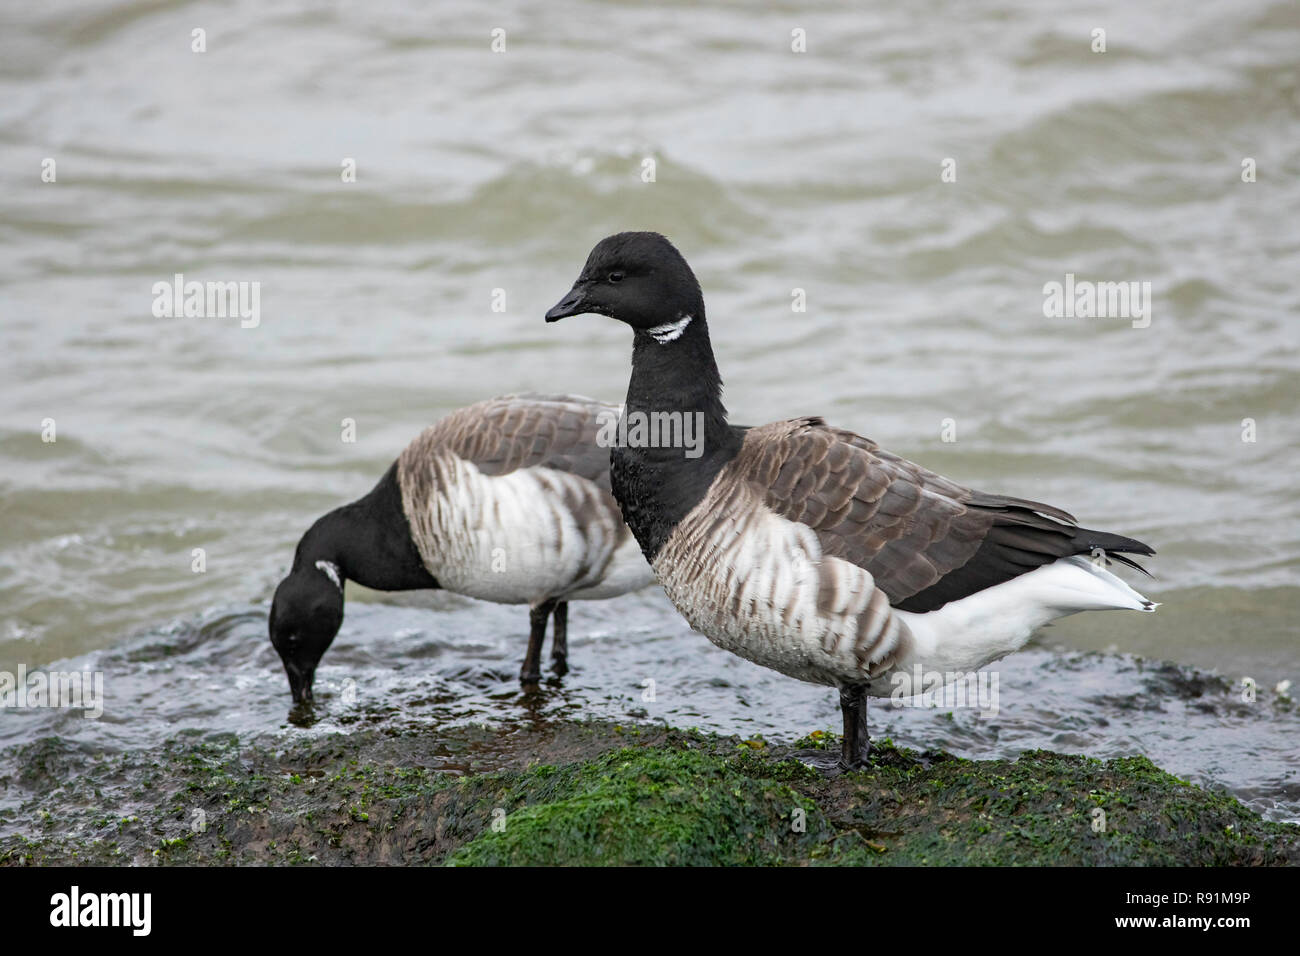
(809, 549)
(507, 500)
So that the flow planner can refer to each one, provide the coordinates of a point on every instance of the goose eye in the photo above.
(616, 277)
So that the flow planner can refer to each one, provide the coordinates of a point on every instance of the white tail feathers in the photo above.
(1097, 589)
(966, 634)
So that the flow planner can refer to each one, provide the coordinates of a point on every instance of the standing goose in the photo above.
(507, 500)
(807, 548)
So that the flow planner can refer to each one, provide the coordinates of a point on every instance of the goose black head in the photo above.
(638, 278)
(306, 614)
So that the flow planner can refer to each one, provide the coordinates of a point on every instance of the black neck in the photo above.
(680, 375)
(657, 487)
(369, 540)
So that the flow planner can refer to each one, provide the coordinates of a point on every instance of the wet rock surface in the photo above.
(599, 793)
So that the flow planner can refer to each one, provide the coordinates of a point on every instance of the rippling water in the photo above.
(481, 171)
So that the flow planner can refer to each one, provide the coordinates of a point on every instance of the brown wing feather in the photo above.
(504, 434)
(925, 539)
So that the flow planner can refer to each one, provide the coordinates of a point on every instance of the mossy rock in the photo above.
(609, 795)
(1043, 809)
(647, 806)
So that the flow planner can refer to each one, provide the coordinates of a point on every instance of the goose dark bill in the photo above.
(809, 549)
(571, 304)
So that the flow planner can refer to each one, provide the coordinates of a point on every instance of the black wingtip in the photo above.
(1116, 547)
(1123, 559)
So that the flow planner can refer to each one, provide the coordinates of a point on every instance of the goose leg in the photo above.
(856, 744)
(538, 615)
(560, 641)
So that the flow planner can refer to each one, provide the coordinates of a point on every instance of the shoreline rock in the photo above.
(595, 793)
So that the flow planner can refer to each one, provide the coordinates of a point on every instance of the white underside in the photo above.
(627, 571)
(528, 536)
(963, 636)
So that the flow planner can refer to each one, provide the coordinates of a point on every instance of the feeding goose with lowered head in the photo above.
(507, 500)
(809, 549)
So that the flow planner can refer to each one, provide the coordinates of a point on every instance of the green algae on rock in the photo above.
(577, 793)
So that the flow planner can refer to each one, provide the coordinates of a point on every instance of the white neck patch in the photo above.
(331, 571)
(669, 331)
